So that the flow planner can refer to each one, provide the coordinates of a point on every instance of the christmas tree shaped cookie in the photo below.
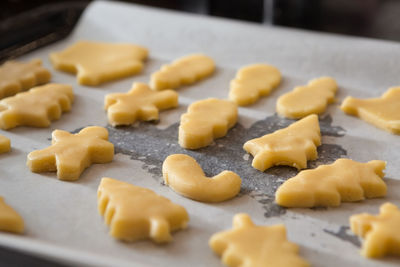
(185, 176)
(249, 245)
(205, 121)
(70, 154)
(140, 103)
(183, 71)
(10, 220)
(310, 99)
(37, 107)
(328, 185)
(135, 213)
(383, 112)
(5, 144)
(96, 62)
(381, 232)
(252, 82)
(291, 146)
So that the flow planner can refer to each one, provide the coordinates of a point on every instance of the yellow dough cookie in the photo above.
(70, 154)
(37, 107)
(5, 144)
(96, 62)
(183, 71)
(328, 185)
(10, 220)
(383, 112)
(135, 213)
(381, 232)
(250, 245)
(252, 82)
(205, 121)
(310, 99)
(140, 103)
(20, 76)
(291, 146)
(185, 176)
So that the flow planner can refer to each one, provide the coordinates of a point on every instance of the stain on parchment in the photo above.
(343, 234)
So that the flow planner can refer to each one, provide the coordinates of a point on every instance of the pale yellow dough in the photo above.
(328, 185)
(250, 245)
(310, 99)
(37, 107)
(10, 220)
(185, 176)
(381, 232)
(205, 121)
(252, 82)
(383, 112)
(70, 154)
(140, 103)
(183, 71)
(20, 76)
(96, 62)
(5, 144)
(135, 213)
(291, 146)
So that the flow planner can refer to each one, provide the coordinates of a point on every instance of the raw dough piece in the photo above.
(205, 121)
(310, 99)
(383, 112)
(96, 62)
(10, 220)
(70, 154)
(5, 144)
(381, 232)
(20, 76)
(37, 107)
(343, 181)
(135, 213)
(183, 71)
(252, 82)
(185, 176)
(291, 146)
(139, 103)
(249, 245)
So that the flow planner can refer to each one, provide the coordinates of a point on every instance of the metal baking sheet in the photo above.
(61, 218)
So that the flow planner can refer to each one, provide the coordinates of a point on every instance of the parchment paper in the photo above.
(61, 217)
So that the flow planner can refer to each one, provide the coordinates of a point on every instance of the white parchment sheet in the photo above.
(61, 217)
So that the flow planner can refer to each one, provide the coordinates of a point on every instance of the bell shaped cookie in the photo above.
(291, 146)
(135, 213)
(96, 62)
(10, 220)
(252, 82)
(310, 99)
(344, 180)
(185, 176)
(140, 103)
(5, 144)
(383, 112)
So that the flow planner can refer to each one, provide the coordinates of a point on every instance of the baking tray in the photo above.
(61, 218)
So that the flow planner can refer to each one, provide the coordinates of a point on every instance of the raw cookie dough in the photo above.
(20, 76)
(291, 146)
(183, 71)
(140, 103)
(10, 220)
(310, 99)
(249, 245)
(381, 232)
(383, 112)
(135, 213)
(185, 176)
(252, 82)
(328, 185)
(96, 62)
(5, 144)
(37, 107)
(70, 154)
